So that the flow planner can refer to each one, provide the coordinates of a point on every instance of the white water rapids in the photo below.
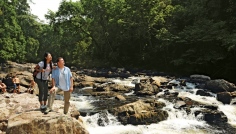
(178, 122)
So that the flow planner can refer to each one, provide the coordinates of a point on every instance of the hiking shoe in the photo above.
(42, 107)
(47, 111)
(45, 107)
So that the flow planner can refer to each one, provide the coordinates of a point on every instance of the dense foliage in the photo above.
(190, 36)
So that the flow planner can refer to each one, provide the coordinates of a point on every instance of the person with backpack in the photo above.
(44, 68)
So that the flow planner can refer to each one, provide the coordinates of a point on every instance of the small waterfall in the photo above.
(178, 122)
(230, 112)
(125, 82)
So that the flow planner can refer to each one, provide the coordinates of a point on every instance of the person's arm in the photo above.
(14, 80)
(37, 68)
(4, 85)
(71, 84)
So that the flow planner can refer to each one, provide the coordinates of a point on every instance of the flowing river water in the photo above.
(178, 122)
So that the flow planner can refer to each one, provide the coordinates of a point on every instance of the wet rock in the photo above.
(83, 84)
(120, 97)
(158, 80)
(179, 104)
(104, 94)
(224, 97)
(173, 83)
(220, 85)
(146, 89)
(139, 112)
(199, 78)
(200, 86)
(147, 117)
(233, 94)
(214, 116)
(120, 88)
(101, 87)
(189, 102)
(155, 103)
(202, 93)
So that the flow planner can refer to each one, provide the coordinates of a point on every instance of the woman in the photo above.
(44, 68)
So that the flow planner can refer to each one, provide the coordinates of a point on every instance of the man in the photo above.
(16, 82)
(3, 87)
(61, 81)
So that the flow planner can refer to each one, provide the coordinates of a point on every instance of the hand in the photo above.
(71, 89)
(52, 90)
(42, 70)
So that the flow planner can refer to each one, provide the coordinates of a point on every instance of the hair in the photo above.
(45, 61)
(58, 59)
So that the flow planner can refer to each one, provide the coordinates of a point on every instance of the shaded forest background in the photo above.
(177, 36)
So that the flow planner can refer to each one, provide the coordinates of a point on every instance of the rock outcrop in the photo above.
(20, 113)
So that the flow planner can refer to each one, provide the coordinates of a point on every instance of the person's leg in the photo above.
(15, 88)
(40, 86)
(18, 87)
(66, 101)
(52, 97)
(45, 93)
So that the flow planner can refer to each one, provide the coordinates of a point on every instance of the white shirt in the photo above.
(45, 73)
(62, 79)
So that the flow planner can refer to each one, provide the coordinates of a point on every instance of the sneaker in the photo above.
(45, 106)
(47, 111)
(42, 107)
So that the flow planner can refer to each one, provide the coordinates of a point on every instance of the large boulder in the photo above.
(199, 78)
(20, 113)
(158, 80)
(212, 116)
(224, 97)
(34, 122)
(146, 89)
(140, 112)
(220, 85)
(147, 117)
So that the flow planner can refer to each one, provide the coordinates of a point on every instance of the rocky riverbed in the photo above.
(134, 97)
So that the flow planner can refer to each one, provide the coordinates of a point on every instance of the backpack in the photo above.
(35, 74)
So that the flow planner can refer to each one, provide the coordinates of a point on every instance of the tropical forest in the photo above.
(175, 36)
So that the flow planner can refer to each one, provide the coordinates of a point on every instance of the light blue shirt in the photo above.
(66, 75)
